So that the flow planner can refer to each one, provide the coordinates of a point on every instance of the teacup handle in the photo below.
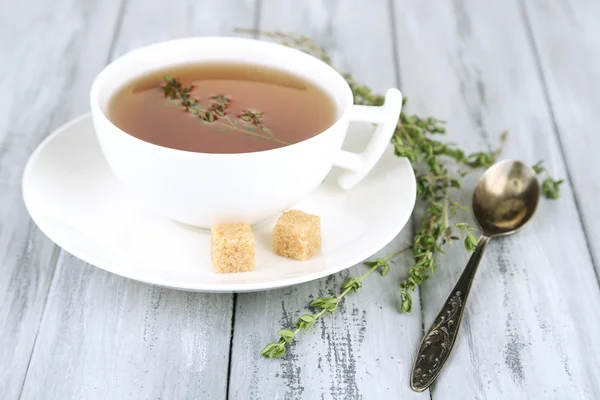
(386, 117)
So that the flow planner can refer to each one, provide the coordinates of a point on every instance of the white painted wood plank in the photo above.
(153, 21)
(104, 337)
(566, 37)
(363, 351)
(532, 321)
(45, 67)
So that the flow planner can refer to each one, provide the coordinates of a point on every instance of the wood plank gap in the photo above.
(414, 220)
(231, 333)
(422, 310)
(116, 31)
(415, 227)
(56, 253)
(394, 33)
(255, 35)
(555, 131)
(257, 14)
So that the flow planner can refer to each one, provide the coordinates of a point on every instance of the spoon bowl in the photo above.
(504, 201)
(506, 197)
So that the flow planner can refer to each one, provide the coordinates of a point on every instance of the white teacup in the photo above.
(203, 189)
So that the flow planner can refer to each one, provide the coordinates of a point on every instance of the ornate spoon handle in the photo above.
(439, 340)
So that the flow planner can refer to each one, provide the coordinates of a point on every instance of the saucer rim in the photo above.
(195, 286)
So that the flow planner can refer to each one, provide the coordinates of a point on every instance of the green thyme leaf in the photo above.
(305, 321)
(326, 303)
(274, 350)
(287, 335)
(551, 188)
(470, 242)
(385, 268)
(406, 302)
(352, 283)
(539, 167)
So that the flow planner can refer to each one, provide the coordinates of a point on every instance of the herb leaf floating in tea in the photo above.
(255, 119)
(434, 163)
(249, 122)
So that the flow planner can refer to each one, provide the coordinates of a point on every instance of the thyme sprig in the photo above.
(326, 304)
(248, 122)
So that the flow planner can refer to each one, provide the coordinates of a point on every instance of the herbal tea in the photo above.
(222, 108)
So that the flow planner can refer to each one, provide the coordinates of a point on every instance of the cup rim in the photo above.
(97, 111)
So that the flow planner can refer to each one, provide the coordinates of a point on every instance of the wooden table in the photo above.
(531, 331)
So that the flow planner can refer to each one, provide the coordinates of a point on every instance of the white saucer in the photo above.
(75, 200)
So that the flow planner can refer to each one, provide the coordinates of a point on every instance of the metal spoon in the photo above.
(504, 201)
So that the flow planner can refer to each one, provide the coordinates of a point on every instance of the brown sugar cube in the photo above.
(297, 235)
(232, 248)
